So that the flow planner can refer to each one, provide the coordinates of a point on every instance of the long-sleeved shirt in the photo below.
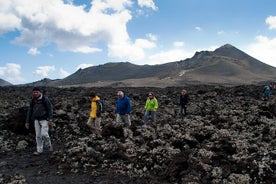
(151, 104)
(183, 100)
(123, 106)
(40, 109)
(94, 108)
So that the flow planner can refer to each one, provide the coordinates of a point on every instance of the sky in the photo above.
(54, 38)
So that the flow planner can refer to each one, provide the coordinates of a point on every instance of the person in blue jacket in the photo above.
(123, 108)
(266, 92)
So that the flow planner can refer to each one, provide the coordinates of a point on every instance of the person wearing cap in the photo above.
(151, 107)
(123, 108)
(94, 120)
(41, 112)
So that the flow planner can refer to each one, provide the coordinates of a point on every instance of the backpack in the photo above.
(100, 108)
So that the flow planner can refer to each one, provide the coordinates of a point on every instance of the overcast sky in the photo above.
(54, 38)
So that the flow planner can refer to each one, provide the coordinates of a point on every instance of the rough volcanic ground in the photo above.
(228, 136)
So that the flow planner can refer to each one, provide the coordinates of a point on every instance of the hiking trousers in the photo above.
(95, 124)
(150, 115)
(123, 118)
(42, 135)
(183, 111)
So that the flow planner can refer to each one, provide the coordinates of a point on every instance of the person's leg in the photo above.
(185, 110)
(153, 118)
(127, 121)
(146, 117)
(118, 118)
(38, 137)
(98, 125)
(45, 134)
(182, 111)
(89, 122)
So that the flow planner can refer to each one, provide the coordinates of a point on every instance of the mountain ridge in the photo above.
(226, 65)
(4, 83)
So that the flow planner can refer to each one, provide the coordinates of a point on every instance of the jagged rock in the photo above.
(227, 136)
(21, 145)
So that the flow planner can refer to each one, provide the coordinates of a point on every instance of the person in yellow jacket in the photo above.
(94, 121)
(151, 107)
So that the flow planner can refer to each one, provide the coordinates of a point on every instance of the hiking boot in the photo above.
(37, 153)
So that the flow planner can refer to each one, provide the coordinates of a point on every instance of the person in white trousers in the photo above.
(41, 111)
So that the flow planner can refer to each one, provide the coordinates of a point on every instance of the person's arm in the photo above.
(117, 106)
(146, 105)
(128, 106)
(155, 104)
(49, 111)
(29, 114)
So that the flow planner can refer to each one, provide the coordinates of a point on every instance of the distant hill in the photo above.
(4, 83)
(43, 82)
(226, 65)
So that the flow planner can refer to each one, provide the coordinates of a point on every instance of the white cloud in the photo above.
(8, 22)
(70, 27)
(263, 50)
(44, 71)
(13, 69)
(220, 32)
(133, 52)
(11, 72)
(143, 43)
(170, 56)
(178, 44)
(271, 21)
(86, 49)
(198, 28)
(2, 71)
(84, 65)
(152, 37)
(63, 73)
(33, 51)
(147, 3)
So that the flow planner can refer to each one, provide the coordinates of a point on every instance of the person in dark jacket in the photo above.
(123, 108)
(41, 111)
(183, 101)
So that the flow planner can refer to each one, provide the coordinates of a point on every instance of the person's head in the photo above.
(183, 92)
(36, 92)
(120, 94)
(92, 95)
(151, 95)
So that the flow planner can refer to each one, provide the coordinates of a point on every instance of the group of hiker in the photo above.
(41, 112)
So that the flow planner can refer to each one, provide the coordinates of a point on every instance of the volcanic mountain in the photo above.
(226, 65)
(4, 83)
